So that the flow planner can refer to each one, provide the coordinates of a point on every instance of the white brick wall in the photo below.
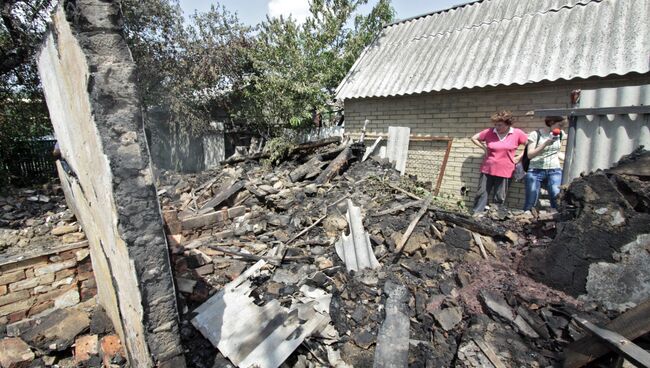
(460, 114)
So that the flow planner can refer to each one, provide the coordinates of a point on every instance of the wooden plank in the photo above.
(412, 225)
(632, 352)
(631, 324)
(222, 196)
(479, 242)
(401, 207)
(489, 353)
(371, 149)
(204, 220)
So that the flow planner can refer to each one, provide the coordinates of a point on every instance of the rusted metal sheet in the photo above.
(503, 42)
(259, 336)
(598, 141)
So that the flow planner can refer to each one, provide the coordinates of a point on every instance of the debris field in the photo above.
(323, 259)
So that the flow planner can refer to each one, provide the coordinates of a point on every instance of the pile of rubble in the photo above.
(266, 272)
(79, 336)
(36, 218)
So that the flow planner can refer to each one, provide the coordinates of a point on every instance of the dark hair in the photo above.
(550, 120)
(504, 116)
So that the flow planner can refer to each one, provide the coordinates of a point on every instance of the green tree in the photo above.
(193, 68)
(23, 113)
(296, 68)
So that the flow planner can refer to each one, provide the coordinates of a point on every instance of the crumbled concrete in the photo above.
(609, 212)
(88, 77)
(624, 284)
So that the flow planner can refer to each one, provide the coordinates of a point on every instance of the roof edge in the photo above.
(461, 5)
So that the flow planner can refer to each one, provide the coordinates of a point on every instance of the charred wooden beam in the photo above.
(335, 166)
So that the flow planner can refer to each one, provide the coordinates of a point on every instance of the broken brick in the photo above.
(110, 346)
(84, 347)
(15, 353)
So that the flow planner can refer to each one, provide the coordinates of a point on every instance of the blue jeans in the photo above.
(534, 180)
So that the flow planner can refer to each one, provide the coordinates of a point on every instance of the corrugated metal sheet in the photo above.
(354, 249)
(259, 336)
(503, 42)
(597, 142)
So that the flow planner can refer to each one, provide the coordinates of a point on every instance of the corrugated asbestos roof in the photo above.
(503, 42)
(601, 140)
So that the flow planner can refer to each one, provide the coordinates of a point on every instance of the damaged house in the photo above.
(444, 74)
(325, 257)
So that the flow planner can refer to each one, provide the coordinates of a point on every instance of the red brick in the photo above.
(86, 294)
(40, 308)
(85, 276)
(172, 223)
(14, 297)
(8, 309)
(29, 273)
(64, 273)
(69, 254)
(85, 347)
(85, 266)
(52, 294)
(32, 262)
(11, 277)
(110, 345)
(17, 316)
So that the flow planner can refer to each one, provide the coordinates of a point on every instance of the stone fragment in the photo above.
(73, 238)
(458, 237)
(60, 275)
(65, 229)
(67, 299)
(236, 211)
(223, 234)
(100, 324)
(14, 297)
(55, 267)
(497, 306)
(323, 263)
(84, 347)
(415, 242)
(11, 277)
(185, 285)
(28, 263)
(235, 269)
(204, 270)
(15, 353)
(41, 308)
(66, 281)
(448, 318)
(82, 254)
(22, 305)
(525, 328)
(57, 331)
(3, 290)
(43, 289)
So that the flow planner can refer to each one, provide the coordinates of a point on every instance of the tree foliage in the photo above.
(191, 68)
(23, 113)
(297, 67)
(266, 77)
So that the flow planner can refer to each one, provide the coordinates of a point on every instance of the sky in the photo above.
(251, 12)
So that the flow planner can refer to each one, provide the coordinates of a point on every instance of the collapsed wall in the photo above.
(88, 76)
(598, 251)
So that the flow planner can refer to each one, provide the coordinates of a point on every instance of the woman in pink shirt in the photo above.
(499, 144)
